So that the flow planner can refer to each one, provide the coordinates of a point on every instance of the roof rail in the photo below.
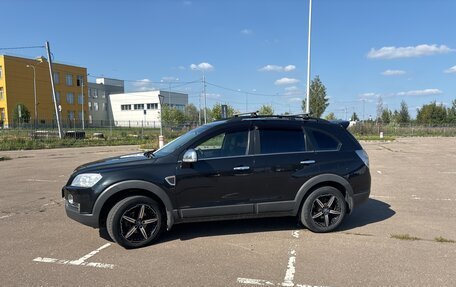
(250, 114)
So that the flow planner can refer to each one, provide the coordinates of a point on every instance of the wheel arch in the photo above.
(118, 191)
(318, 181)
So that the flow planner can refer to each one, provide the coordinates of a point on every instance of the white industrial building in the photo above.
(143, 108)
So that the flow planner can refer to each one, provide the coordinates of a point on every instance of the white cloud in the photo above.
(294, 100)
(289, 68)
(425, 92)
(286, 81)
(202, 67)
(451, 70)
(246, 31)
(408, 52)
(142, 85)
(169, 79)
(292, 88)
(393, 73)
(276, 68)
(213, 96)
(369, 95)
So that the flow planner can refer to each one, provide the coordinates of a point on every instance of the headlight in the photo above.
(86, 179)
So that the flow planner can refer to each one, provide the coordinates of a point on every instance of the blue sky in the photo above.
(253, 50)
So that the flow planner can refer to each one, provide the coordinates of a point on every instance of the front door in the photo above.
(218, 183)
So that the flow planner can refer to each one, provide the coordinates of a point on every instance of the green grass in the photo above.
(444, 240)
(374, 138)
(405, 237)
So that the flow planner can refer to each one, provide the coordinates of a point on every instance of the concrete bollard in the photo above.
(160, 141)
(381, 135)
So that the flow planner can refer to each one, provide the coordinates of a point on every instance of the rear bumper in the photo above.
(360, 198)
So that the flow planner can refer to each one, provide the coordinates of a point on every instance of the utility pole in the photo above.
(57, 115)
(34, 93)
(205, 102)
(82, 101)
(308, 59)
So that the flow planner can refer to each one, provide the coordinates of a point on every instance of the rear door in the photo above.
(285, 160)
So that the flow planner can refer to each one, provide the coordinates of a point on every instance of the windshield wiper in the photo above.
(149, 153)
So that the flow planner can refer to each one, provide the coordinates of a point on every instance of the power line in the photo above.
(22, 48)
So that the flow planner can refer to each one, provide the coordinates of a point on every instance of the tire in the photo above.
(323, 210)
(135, 222)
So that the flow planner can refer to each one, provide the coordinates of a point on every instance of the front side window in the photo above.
(224, 145)
(323, 141)
(281, 141)
(95, 106)
(69, 79)
(1, 72)
(71, 115)
(80, 99)
(90, 105)
(70, 98)
(139, 106)
(1, 93)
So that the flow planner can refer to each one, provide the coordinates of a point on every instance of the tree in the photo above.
(379, 109)
(354, 117)
(386, 116)
(216, 112)
(330, 117)
(403, 115)
(172, 116)
(451, 118)
(191, 113)
(21, 114)
(266, 110)
(431, 114)
(318, 99)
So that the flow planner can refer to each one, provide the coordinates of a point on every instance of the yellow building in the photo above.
(17, 87)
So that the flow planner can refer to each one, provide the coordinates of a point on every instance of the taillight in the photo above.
(363, 156)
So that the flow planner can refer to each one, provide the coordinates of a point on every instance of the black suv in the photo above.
(244, 167)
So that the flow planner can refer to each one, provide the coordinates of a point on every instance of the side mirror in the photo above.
(190, 156)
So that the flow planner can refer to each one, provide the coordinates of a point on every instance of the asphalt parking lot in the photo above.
(413, 193)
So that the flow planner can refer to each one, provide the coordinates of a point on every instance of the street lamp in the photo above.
(160, 137)
(34, 92)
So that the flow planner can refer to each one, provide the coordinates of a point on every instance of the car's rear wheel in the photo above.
(323, 210)
(135, 221)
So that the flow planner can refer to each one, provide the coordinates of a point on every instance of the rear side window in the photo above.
(280, 141)
(324, 141)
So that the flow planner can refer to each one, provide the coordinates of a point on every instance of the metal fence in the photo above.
(403, 130)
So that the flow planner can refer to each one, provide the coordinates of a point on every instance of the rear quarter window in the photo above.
(323, 141)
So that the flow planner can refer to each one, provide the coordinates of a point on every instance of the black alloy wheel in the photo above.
(135, 221)
(323, 210)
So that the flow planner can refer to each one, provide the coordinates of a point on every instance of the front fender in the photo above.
(135, 184)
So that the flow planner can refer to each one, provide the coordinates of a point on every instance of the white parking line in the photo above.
(289, 273)
(6, 216)
(79, 262)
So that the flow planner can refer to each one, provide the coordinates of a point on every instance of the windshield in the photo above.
(183, 139)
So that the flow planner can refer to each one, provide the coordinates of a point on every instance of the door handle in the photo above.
(311, 161)
(241, 168)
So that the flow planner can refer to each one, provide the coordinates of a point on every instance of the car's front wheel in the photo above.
(135, 221)
(323, 210)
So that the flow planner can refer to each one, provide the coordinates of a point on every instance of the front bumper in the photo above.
(84, 218)
(81, 209)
